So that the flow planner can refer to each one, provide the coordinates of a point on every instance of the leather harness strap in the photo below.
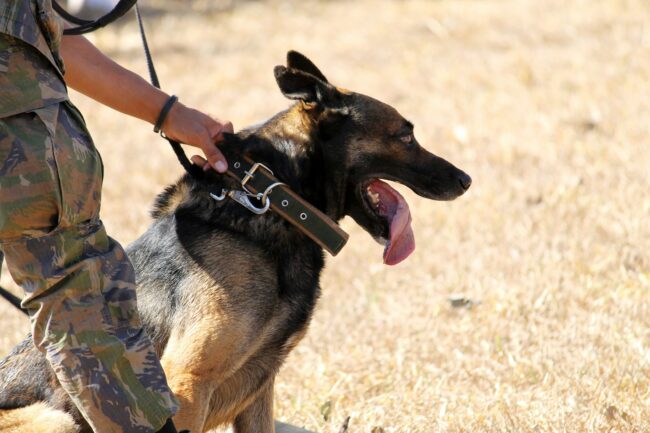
(257, 181)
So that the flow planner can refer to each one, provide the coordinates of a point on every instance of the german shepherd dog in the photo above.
(226, 294)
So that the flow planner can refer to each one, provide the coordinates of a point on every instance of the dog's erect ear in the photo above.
(295, 60)
(296, 84)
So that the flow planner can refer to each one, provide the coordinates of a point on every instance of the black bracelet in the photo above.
(164, 112)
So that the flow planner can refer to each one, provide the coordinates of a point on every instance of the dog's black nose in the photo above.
(465, 180)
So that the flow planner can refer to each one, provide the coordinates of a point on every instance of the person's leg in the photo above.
(78, 281)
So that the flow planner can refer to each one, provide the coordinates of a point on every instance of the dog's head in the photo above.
(364, 141)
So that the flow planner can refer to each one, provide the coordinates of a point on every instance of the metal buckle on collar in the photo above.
(251, 174)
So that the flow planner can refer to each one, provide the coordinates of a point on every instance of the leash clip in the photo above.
(243, 197)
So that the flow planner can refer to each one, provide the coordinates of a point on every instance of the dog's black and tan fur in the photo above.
(224, 294)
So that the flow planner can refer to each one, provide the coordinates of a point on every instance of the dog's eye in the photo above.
(406, 139)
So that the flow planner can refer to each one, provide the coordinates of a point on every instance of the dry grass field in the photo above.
(546, 103)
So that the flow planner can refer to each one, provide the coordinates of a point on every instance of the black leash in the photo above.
(13, 300)
(311, 221)
(192, 169)
(121, 8)
(85, 26)
(262, 185)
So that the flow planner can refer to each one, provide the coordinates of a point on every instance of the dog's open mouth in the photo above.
(389, 206)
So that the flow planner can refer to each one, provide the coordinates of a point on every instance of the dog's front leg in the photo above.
(258, 416)
(193, 394)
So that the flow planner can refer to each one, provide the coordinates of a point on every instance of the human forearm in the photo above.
(90, 72)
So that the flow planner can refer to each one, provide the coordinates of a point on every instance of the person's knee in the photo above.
(76, 279)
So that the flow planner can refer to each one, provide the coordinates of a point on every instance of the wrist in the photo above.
(164, 112)
(150, 102)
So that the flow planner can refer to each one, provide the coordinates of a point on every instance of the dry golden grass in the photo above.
(546, 103)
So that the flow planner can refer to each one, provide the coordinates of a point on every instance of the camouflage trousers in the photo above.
(78, 282)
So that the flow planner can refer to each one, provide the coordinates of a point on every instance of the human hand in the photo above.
(192, 127)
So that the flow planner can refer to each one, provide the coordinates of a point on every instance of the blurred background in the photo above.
(525, 306)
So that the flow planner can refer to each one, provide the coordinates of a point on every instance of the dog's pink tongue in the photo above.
(394, 208)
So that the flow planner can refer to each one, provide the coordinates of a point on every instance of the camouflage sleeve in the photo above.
(37, 24)
(27, 79)
(31, 69)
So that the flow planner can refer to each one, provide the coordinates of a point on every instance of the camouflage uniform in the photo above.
(79, 283)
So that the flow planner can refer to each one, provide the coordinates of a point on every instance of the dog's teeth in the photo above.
(374, 197)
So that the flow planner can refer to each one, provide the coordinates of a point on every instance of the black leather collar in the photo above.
(257, 182)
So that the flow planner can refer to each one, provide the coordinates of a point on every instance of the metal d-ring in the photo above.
(221, 197)
(243, 198)
(268, 190)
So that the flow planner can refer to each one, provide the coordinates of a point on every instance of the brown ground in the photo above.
(546, 103)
